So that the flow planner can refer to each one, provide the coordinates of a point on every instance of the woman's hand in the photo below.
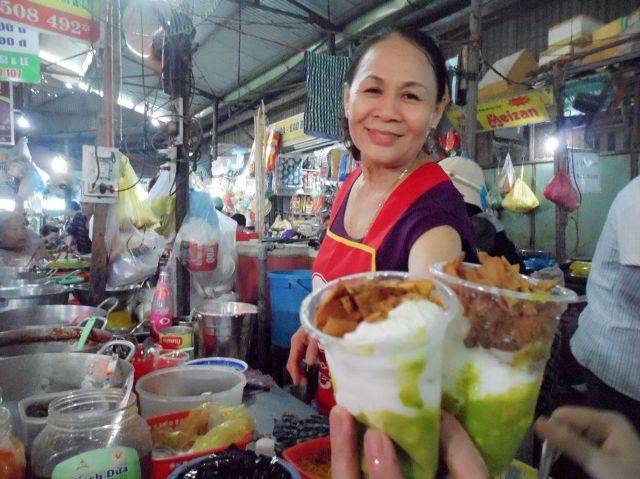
(603, 443)
(302, 346)
(462, 459)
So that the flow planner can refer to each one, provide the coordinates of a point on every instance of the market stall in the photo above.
(200, 206)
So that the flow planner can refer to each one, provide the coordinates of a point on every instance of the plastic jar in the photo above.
(88, 434)
(12, 462)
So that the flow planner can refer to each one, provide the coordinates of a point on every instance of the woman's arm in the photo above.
(441, 243)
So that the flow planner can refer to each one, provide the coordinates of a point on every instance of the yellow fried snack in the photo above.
(501, 321)
(348, 304)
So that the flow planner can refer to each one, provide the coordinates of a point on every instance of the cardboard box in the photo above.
(551, 55)
(612, 31)
(515, 67)
(577, 30)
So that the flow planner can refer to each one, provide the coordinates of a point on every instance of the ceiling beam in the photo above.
(316, 18)
(384, 14)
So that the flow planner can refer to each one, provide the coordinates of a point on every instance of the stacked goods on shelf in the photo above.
(577, 30)
(515, 67)
(569, 38)
(612, 31)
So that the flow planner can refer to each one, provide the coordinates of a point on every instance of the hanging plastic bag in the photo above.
(561, 191)
(197, 242)
(520, 199)
(130, 203)
(506, 178)
(136, 257)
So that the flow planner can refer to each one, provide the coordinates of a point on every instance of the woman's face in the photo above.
(391, 104)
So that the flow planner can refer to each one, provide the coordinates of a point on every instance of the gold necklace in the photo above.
(385, 197)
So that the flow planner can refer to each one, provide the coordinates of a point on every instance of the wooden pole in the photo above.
(559, 159)
(473, 71)
(259, 138)
(110, 88)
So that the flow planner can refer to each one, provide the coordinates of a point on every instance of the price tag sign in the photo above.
(72, 18)
(19, 60)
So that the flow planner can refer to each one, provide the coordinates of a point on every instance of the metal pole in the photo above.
(111, 85)
(331, 43)
(214, 134)
(635, 133)
(473, 71)
(532, 159)
(559, 159)
(183, 280)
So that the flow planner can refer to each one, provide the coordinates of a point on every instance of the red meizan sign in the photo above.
(72, 18)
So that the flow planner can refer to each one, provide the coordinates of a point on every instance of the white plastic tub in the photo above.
(184, 387)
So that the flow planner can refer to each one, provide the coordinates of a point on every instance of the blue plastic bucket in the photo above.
(287, 289)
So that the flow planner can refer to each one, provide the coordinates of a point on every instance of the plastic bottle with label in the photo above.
(12, 460)
(90, 434)
(162, 305)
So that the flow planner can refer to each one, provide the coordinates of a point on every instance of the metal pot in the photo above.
(24, 376)
(32, 295)
(55, 315)
(124, 294)
(49, 339)
(21, 272)
(224, 328)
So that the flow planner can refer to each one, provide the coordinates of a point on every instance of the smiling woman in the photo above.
(398, 210)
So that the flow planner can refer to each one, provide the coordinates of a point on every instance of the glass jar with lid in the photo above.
(90, 434)
(12, 461)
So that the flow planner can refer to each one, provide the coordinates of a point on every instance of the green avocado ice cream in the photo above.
(496, 422)
(388, 374)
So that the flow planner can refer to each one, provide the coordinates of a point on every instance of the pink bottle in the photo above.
(162, 305)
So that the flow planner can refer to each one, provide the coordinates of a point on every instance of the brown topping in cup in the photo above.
(503, 322)
(347, 304)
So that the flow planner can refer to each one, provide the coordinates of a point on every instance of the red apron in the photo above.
(340, 256)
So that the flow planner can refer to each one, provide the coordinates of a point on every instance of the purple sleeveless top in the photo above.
(441, 206)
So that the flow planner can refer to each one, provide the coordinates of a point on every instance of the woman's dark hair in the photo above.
(74, 205)
(48, 229)
(421, 40)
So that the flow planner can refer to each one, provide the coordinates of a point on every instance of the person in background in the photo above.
(468, 178)
(50, 234)
(19, 246)
(241, 234)
(78, 230)
(607, 340)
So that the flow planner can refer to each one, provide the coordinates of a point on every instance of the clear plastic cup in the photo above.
(392, 384)
(495, 353)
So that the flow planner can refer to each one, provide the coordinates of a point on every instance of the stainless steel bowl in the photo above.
(50, 315)
(12, 297)
(124, 294)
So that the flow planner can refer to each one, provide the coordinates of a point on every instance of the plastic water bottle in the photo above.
(162, 305)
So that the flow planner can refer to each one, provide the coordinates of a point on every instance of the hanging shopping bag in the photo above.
(561, 191)
(520, 199)
(507, 176)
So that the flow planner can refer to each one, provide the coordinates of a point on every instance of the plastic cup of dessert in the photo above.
(495, 353)
(391, 379)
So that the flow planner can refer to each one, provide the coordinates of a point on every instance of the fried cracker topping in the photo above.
(504, 323)
(348, 304)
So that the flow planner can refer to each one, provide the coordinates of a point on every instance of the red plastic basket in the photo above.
(313, 448)
(162, 467)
